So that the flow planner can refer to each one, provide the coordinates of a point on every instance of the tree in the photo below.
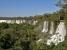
(63, 5)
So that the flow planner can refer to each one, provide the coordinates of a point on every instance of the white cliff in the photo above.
(59, 35)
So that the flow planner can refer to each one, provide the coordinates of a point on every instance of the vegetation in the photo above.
(24, 37)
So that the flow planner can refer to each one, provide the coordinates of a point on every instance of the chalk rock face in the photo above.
(51, 28)
(59, 35)
(45, 27)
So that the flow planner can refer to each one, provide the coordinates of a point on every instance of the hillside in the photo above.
(42, 32)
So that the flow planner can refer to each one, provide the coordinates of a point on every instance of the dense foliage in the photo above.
(24, 37)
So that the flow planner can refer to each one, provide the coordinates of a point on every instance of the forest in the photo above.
(24, 36)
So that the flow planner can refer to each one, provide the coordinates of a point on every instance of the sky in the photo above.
(14, 8)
